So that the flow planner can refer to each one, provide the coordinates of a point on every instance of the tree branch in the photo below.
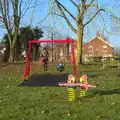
(91, 1)
(27, 8)
(92, 5)
(66, 10)
(3, 17)
(23, 12)
(20, 8)
(66, 19)
(8, 16)
(77, 6)
(2, 26)
(73, 3)
(58, 15)
(93, 17)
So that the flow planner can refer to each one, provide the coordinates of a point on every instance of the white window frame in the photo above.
(104, 47)
(89, 48)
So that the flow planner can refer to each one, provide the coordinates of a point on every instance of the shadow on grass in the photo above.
(112, 66)
(20, 63)
(93, 70)
(96, 75)
(118, 75)
(107, 92)
(7, 64)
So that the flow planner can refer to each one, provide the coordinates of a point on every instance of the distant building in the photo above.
(98, 47)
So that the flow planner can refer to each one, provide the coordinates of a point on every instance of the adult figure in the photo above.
(45, 60)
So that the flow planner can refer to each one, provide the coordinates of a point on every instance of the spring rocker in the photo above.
(83, 89)
(71, 85)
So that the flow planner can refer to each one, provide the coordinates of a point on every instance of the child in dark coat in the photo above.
(60, 66)
(45, 60)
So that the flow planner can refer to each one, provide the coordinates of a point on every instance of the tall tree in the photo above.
(82, 7)
(11, 12)
(25, 34)
(28, 33)
(11, 24)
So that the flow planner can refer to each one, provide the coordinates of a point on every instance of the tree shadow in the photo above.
(7, 64)
(118, 75)
(112, 66)
(94, 70)
(107, 92)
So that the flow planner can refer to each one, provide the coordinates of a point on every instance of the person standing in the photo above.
(45, 60)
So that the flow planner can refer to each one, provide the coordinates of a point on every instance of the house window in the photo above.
(104, 48)
(90, 49)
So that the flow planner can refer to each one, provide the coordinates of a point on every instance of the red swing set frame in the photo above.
(27, 67)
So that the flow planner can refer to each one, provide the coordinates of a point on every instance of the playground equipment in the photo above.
(83, 89)
(71, 85)
(31, 42)
(71, 94)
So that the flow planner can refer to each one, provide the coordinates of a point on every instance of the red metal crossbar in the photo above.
(76, 84)
(56, 41)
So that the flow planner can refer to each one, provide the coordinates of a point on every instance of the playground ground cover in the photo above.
(50, 103)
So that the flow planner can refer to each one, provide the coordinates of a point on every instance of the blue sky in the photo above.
(90, 31)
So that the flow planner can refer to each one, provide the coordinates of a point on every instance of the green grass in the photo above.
(50, 103)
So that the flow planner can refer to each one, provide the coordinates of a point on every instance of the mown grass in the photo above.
(50, 103)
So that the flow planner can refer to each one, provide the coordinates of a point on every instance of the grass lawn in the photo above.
(50, 103)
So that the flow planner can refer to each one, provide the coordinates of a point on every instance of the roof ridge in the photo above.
(102, 40)
(105, 41)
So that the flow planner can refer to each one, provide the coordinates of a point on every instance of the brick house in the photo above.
(97, 47)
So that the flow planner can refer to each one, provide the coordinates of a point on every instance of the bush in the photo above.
(97, 59)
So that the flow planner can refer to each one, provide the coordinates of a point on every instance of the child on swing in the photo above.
(60, 66)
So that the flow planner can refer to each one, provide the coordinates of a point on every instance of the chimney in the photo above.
(98, 34)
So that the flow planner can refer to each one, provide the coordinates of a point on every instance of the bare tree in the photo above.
(81, 8)
(11, 12)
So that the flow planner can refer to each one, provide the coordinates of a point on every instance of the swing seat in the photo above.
(60, 68)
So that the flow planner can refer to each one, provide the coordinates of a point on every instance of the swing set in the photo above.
(31, 42)
(64, 80)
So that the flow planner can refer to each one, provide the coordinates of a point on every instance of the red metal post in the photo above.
(74, 61)
(49, 41)
(27, 68)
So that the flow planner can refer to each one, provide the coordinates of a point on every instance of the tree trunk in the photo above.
(11, 58)
(79, 44)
